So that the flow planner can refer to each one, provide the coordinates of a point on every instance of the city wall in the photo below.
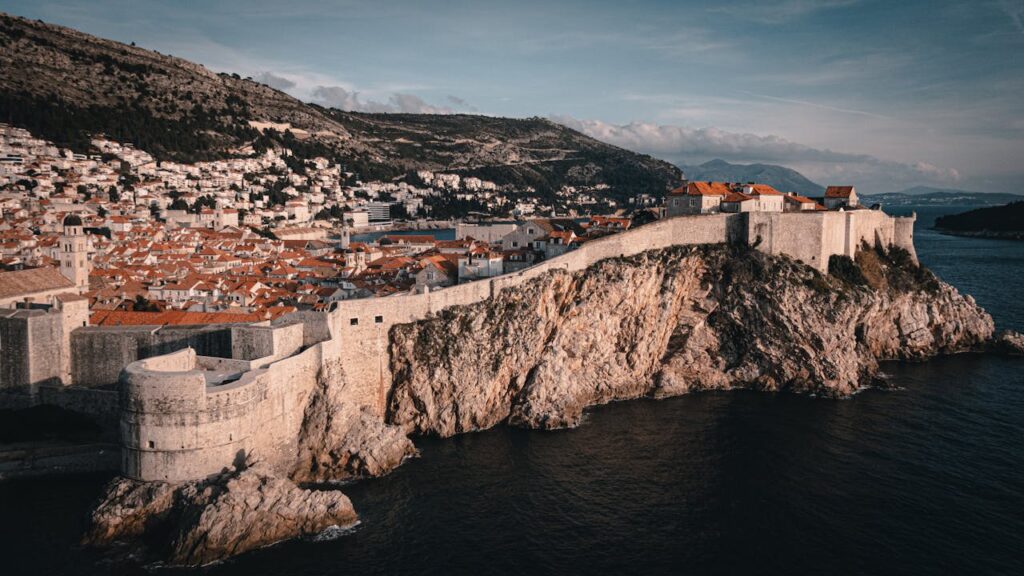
(179, 422)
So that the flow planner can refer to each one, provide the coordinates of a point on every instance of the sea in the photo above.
(924, 478)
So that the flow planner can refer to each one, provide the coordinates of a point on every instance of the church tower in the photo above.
(74, 253)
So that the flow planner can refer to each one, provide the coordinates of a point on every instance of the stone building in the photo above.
(75, 264)
(35, 342)
(840, 197)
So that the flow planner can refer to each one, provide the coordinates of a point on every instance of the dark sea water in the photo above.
(925, 479)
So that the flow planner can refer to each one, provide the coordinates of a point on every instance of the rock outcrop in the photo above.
(667, 322)
(662, 323)
(201, 522)
(339, 440)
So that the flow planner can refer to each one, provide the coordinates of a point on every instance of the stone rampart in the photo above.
(184, 417)
(181, 421)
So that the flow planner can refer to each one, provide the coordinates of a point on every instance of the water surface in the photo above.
(926, 479)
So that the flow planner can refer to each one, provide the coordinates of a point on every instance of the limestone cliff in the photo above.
(667, 322)
(340, 440)
(661, 323)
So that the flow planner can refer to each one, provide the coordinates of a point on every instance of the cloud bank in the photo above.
(349, 100)
(684, 145)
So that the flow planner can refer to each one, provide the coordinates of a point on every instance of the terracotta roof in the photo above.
(180, 317)
(838, 191)
(31, 281)
(736, 197)
(706, 189)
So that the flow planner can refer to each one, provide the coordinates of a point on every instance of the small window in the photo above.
(151, 444)
(353, 322)
(378, 319)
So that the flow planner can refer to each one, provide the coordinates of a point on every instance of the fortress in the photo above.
(194, 400)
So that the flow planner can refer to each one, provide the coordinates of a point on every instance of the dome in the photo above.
(72, 220)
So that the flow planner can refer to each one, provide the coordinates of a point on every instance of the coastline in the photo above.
(986, 234)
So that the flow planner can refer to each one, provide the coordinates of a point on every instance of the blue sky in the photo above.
(882, 94)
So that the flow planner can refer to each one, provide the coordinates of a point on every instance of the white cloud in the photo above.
(344, 99)
(274, 81)
(685, 145)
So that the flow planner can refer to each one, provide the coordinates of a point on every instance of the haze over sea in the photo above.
(925, 479)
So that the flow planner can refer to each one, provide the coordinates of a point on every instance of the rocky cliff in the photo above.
(667, 322)
(662, 323)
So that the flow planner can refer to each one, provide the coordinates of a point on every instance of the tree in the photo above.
(115, 196)
(141, 304)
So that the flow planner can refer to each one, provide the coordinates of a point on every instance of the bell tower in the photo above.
(74, 253)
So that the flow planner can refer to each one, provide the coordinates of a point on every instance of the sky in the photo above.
(881, 94)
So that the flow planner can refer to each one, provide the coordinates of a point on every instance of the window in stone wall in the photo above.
(378, 319)
(354, 322)
(152, 444)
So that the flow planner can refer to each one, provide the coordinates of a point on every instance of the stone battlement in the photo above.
(186, 416)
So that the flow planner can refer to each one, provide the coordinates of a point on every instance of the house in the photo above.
(437, 271)
(840, 197)
(557, 242)
(516, 260)
(793, 202)
(696, 198)
(752, 198)
(608, 224)
(528, 232)
(479, 263)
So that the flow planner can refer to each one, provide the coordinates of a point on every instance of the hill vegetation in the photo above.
(65, 86)
(996, 221)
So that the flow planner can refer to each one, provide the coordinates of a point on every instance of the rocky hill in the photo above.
(64, 85)
(929, 196)
(779, 177)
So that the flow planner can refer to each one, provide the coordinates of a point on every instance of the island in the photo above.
(1005, 221)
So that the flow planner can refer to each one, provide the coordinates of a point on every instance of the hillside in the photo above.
(929, 196)
(779, 177)
(993, 221)
(64, 86)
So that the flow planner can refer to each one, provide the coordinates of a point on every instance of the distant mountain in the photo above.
(779, 177)
(65, 86)
(991, 222)
(930, 196)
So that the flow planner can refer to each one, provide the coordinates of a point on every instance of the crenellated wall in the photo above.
(179, 422)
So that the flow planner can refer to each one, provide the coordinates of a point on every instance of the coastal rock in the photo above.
(129, 509)
(339, 441)
(250, 510)
(667, 322)
(1009, 342)
(201, 522)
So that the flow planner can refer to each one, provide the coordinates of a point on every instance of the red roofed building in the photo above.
(840, 197)
(697, 198)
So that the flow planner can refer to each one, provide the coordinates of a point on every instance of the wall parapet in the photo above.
(180, 423)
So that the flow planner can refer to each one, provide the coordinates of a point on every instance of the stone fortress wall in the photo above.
(186, 416)
(179, 422)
